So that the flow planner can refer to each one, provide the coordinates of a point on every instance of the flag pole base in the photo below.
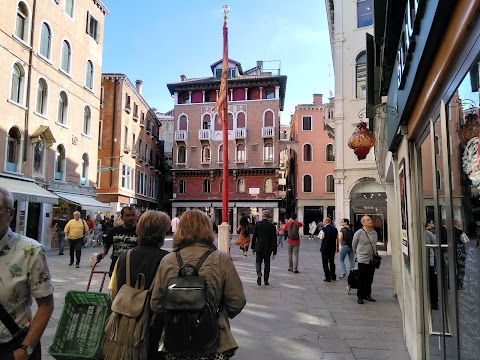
(224, 237)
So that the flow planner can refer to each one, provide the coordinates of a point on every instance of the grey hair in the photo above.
(7, 197)
(77, 212)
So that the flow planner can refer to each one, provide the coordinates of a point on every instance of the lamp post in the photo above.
(222, 103)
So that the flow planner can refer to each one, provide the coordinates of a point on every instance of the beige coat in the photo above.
(219, 270)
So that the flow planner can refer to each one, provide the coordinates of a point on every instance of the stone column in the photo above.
(203, 96)
(277, 92)
(224, 237)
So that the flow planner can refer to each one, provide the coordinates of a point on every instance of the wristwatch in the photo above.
(28, 349)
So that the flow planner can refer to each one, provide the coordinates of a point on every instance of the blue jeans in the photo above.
(280, 240)
(344, 251)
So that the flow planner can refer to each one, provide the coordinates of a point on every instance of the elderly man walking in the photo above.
(76, 232)
(328, 246)
(264, 243)
(25, 274)
(364, 243)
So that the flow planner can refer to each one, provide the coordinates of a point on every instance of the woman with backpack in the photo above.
(194, 249)
(151, 230)
(345, 237)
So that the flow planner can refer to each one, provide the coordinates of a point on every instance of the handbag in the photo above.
(377, 259)
(18, 336)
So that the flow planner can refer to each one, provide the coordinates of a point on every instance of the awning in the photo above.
(28, 191)
(85, 202)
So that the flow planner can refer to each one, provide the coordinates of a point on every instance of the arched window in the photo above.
(18, 84)
(206, 186)
(241, 121)
(182, 155)
(21, 27)
(182, 187)
(206, 122)
(45, 41)
(268, 152)
(268, 118)
(230, 121)
(241, 185)
(329, 153)
(62, 108)
(240, 154)
(183, 123)
(66, 56)
(70, 7)
(206, 154)
(60, 163)
(364, 13)
(268, 186)
(436, 144)
(307, 183)
(329, 184)
(361, 75)
(42, 99)
(85, 170)
(13, 154)
(220, 153)
(89, 75)
(87, 120)
(307, 152)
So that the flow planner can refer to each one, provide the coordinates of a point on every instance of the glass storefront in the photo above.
(448, 168)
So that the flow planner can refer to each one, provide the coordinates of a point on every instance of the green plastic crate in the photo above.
(80, 330)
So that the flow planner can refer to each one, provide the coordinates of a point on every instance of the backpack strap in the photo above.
(202, 259)
(197, 266)
(128, 268)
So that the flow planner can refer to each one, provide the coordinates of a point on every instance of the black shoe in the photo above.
(60, 253)
(327, 280)
(70, 264)
(259, 281)
(369, 298)
(290, 270)
(267, 283)
(77, 265)
(334, 278)
(296, 272)
(360, 301)
(434, 306)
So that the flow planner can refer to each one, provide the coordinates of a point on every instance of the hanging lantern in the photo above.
(470, 128)
(361, 141)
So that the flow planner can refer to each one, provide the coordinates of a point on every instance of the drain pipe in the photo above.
(29, 83)
(113, 130)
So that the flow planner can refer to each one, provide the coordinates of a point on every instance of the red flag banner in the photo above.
(221, 104)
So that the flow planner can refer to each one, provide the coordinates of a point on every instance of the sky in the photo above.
(157, 41)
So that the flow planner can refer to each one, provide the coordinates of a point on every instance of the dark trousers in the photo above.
(76, 249)
(7, 349)
(61, 241)
(432, 279)
(112, 265)
(328, 262)
(258, 265)
(365, 280)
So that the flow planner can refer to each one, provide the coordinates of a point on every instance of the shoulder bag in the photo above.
(377, 259)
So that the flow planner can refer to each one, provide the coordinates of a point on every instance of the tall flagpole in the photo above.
(224, 112)
(222, 107)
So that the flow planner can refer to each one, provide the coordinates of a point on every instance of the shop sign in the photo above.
(410, 28)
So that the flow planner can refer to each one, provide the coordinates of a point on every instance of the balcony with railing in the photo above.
(268, 132)
(240, 134)
(181, 135)
(204, 134)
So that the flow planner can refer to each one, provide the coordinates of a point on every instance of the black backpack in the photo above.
(348, 237)
(293, 231)
(191, 313)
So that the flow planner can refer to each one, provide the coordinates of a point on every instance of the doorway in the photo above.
(33, 223)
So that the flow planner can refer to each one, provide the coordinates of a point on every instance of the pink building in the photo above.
(254, 104)
(315, 162)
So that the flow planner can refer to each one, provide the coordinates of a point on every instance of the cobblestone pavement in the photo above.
(299, 316)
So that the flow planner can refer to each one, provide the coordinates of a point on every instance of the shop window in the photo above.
(329, 153)
(62, 108)
(364, 13)
(241, 185)
(66, 57)
(361, 75)
(89, 75)
(18, 84)
(306, 123)
(182, 187)
(268, 186)
(182, 155)
(60, 163)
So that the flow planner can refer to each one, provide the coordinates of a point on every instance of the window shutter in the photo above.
(88, 21)
(97, 33)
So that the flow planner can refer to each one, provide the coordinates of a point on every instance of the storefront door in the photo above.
(33, 220)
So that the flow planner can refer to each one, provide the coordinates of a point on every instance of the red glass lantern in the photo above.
(470, 129)
(361, 141)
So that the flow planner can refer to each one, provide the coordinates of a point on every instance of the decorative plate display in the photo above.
(471, 161)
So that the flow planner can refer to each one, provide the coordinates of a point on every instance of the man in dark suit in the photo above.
(264, 242)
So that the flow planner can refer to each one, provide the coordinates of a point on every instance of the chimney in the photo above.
(183, 77)
(138, 85)
(317, 99)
